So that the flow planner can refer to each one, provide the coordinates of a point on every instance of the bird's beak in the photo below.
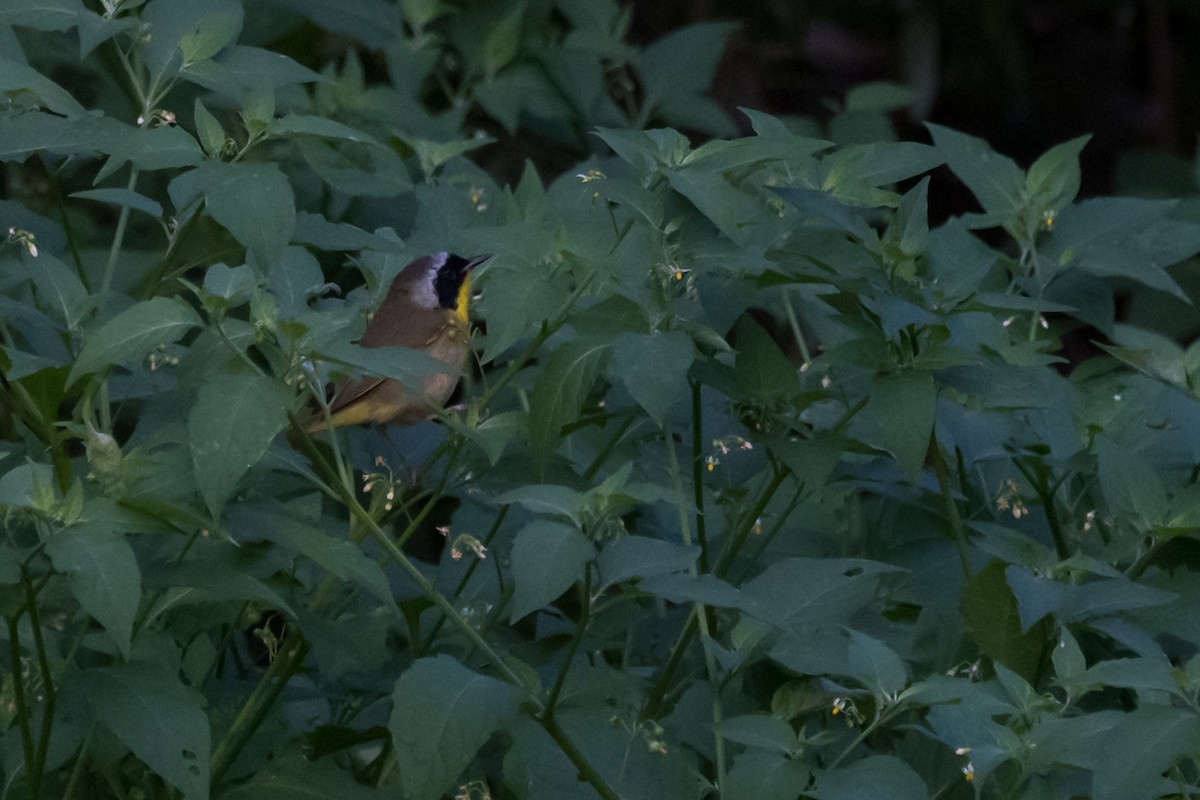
(475, 261)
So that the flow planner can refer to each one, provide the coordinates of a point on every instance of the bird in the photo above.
(425, 309)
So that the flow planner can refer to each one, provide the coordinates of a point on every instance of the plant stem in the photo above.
(652, 708)
(957, 530)
(700, 612)
(43, 745)
(24, 716)
(462, 582)
(573, 648)
(118, 237)
(698, 476)
(256, 707)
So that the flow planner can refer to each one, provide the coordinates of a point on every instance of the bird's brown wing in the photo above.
(434, 324)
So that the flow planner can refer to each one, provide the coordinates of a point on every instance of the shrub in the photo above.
(760, 485)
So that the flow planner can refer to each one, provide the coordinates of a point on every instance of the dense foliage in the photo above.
(760, 486)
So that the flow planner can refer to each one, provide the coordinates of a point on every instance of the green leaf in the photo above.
(547, 559)
(134, 333)
(240, 71)
(862, 781)
(211, 35)
(42, 15)
(765, 776)
(763, 373)
(909, 229)
(295, 777)
(683, 62)
(156, 717)
(16, 77)
(209, 131)
(234, 419)
(1053, 180)
(103, 575)
(254, 202)
(1140, 748)
(442, 713)
(321, 127)
(559, 392)
(990, 612)
(206, 25)
(641, 557)
(123, 198)
(762, 731)
(899, 418)
(1131, 486)
(995, 180)
(876, 665)
(60, 292)
(815, 592)
(654, 368)
(340, 557)
(706, 589)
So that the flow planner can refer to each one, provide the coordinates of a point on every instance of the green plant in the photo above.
(761, 486)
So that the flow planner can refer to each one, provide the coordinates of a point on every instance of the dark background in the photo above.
(1023, 74)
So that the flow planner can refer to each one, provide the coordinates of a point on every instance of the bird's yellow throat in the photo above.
(460, 302)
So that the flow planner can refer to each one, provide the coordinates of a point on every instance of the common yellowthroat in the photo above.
(425, 309)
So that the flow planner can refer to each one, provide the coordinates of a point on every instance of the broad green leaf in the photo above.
(706, 589)
(254, 202)
(156, 717)
(1141, 747)
(641, 557)
(60, 292)
(682, 62)
(206, 26)
(765, 776)
(995, 180)
(547, 559)
(862, 780)
(442, 713)
(815, 592)
(1123, 236)
(1053, 180)
(339, 556)
(878, 164)
(17, 77)
(161, 147)
(990, 612)
(546, 499)
(1037, 597)
(876, 665)
(240, 70)
(559, 392)
(103, 575)
(30, 485)
(761, 731)
(234, 419)
(208, 130)
(322, 127)
(41, 15)
(38, 131)
(654, 368)
(295, 777)
(211, 35)
(123, 198)
(1131, 486)
(899, 417)
(763, 372)
(909, 230)
(133, 334)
